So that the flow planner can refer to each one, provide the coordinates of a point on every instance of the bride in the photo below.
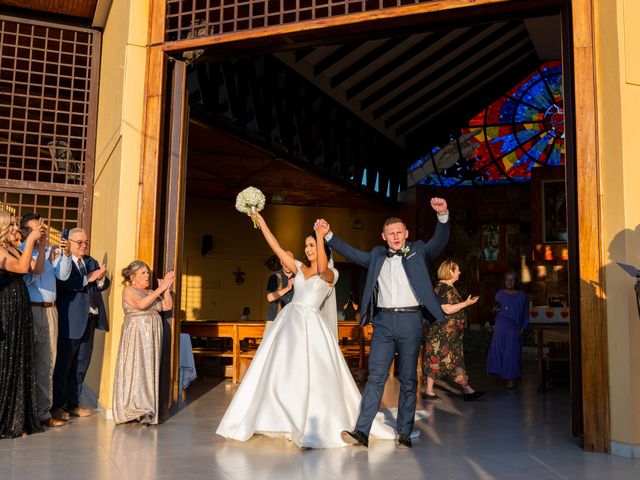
(298, 385)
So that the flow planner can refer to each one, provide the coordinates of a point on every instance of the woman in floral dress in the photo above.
(443, 354)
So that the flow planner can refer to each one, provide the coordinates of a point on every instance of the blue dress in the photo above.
(506, 344)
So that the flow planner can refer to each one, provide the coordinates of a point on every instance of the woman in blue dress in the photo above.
(512, 317)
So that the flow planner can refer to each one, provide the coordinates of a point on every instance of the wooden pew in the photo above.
(236, 331)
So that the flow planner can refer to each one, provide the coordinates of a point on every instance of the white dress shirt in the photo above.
(85, 280)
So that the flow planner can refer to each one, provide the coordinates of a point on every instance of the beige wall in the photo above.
(118, 147)
(209, 288)
(617, 42)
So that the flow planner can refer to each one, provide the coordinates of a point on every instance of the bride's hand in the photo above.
(255, 215)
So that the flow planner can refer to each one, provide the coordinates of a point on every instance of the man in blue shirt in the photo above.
(42, 295)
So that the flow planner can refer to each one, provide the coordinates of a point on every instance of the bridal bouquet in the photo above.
(249, 199)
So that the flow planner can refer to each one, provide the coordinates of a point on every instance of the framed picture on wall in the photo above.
(493, 251)
(554, 211)
(548, 205)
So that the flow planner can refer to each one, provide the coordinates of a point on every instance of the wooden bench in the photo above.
(236, 331)
(358, 342)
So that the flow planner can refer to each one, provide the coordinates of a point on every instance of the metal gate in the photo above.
(48, 105)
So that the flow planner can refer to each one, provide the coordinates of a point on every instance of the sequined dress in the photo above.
(135, 393)
(17, 381)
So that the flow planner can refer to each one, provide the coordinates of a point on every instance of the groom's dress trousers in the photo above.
(398, 294)
(397, 327)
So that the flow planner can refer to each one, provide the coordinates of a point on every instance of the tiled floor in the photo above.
(509, 435)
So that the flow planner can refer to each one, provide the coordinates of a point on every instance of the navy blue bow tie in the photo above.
(391, 253)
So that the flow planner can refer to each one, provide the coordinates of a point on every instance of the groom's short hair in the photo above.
(392, 220)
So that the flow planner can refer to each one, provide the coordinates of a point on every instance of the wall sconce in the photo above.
(277, 197)
(239, 276)
(357, 224)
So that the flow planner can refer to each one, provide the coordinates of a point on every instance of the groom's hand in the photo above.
(439, 205)
(322, 225)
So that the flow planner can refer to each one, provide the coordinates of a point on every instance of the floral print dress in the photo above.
(443, 350)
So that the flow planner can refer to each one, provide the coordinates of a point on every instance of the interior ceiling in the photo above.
(220, 165)
(423, 86)
(414, 89)
(73, 8)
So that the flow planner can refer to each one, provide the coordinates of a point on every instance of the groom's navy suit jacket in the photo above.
(415, 264)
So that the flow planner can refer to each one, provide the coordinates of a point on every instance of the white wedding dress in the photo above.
(298, 384)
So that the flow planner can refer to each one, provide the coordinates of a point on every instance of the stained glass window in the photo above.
(522, 130)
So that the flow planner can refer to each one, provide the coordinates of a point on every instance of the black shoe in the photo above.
(404, 441)
(355, 438)
(469, 397)
(433, 398)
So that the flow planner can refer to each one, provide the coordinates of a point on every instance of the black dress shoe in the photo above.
(404, 441)
(469, 397)
(355, 438)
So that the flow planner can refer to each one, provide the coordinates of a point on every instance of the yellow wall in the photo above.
(617, 42)
(209, 288)
(118, 147)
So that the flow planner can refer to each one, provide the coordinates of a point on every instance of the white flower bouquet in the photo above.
(249, 199)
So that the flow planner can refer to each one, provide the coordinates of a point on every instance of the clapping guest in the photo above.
(42, 295)
(17, 382)
(512, 317)
(136, 391)
(443, 354)
(80, 312)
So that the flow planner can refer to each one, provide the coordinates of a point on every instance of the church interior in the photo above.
(372, 127)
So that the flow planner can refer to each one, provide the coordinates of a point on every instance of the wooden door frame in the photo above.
(584, 180)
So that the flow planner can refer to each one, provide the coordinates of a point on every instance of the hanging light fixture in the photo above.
(277, 197)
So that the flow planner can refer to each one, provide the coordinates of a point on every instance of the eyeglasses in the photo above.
(80, 243)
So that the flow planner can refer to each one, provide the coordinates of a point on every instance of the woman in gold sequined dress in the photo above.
(135, 394)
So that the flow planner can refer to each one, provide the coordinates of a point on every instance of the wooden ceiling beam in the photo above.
(73, 8)
(395, 63)
(366, 60)
(412, 116)
(465, 40)
(454, 117)
(339, 54)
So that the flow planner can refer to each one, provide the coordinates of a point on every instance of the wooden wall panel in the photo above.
(595, 368)
(152, 135)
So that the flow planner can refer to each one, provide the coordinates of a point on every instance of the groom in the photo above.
(397, 294)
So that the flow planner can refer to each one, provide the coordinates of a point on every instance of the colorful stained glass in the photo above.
(522, 130)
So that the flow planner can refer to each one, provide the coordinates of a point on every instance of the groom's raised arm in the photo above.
(347, 251)
(438, 241)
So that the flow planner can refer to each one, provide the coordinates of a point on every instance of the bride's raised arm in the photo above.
(323, 262)
(282, 254)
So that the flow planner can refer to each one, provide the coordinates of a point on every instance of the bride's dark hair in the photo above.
(327, 249)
